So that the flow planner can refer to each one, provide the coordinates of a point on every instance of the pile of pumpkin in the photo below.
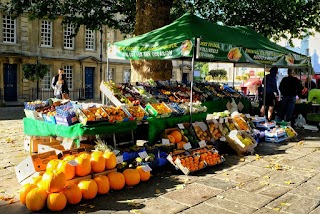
(177, 138)
(55, 187)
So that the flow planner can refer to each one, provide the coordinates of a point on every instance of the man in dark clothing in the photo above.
(290, 87)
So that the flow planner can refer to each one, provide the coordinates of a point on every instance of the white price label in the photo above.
(203, 126)
(140, 142)
(181, 126)
(187, 146)
(221, 120)
(119, 159)
(223, 139)
(215, 121)
(209, 117)
(143, 154)
(202, 144)
(177, 161)
(73, 163)
(165, 141)
(248, 115)
(116, 152)
(226, 120)
(146, 168)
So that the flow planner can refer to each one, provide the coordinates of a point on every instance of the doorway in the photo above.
(10, 82)
(89, 74)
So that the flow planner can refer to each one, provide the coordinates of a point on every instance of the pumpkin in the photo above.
(103, 184)
(69, 157)
(72, 193)
(180, 145)
(116, 180)
(144, 176)
(56, 201)
(25, 190)
(52, 164)
(132, 177)
(177, 136)
(171, 138)
(36, 199)
(84, 166)
(111, 159)
(36, 180)
(67, 169)
(98, 163)
(53, 181)
(89, 188)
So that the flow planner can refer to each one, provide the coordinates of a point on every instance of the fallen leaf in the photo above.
(242, 160)
(266, 177)
(301, 143)
(91, 206)
(11, 201)
(288, 182)
(285, 204)
(318, 188)
(135, 211)
(258, 157)
(277, 209)
(83, 205)
(220, 196)
(180, 186)
(81, 212)
(158, 191)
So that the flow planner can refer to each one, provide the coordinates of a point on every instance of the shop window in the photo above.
(90, 39)
(46, 33)
(9, 29)
(68, 70)
(68, 39)
(126, 75)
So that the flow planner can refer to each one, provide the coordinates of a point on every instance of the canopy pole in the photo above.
(264, 88)
(234, 72)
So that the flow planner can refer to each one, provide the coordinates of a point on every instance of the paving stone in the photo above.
(250, 169)
(246, 198)
(316, 210)
(304, 163)
(309, 189)
(206, 209)
(234, 161)
(193, 194)
(286, 178)
(216, 183)
(266, 211)
(230, 205)
(162, 205)
(294, 204)
(235, 176)
(262, 162)
(300, 151)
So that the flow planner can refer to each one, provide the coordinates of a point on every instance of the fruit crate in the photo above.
(241, 123)
(137, 112)
(66, 120)
(214, 129)
(189, 134)
(291, 132)
(276, 139)
(33, 114)
(238, 145)
(275, 133)
(201, 130)
(109, 94)
(158, 110)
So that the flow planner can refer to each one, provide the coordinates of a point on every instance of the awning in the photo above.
(252, 81)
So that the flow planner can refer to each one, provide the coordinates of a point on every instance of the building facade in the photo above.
(48, 42)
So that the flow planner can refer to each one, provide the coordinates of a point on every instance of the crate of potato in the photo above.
(214, 130)
(201, 130)
(117, 114)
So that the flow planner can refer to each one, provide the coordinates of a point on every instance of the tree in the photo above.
(218, 74)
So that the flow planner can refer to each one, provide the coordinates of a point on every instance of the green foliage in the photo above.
(260, 74)
(219, 74)
(34, 71)
(202, 67)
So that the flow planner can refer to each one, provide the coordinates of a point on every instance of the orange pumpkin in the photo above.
(116, 180)
(98, 163)
(103, 184)
(69, 157)
(25, 190)
(56, 201)
(177, 136)
(36, 180)
(111, 159)
(171, 138)
(144, 176)
(89, 188)
(180, 145)
(72, 193)
(52, 164)
(36, 199)
(84, 166)
(53, 181)
(67, 169)
(132, 177)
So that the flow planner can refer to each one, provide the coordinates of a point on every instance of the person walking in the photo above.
(60, 85)
(290, 87)
(271, 89)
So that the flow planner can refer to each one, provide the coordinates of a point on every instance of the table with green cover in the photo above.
(40, 128)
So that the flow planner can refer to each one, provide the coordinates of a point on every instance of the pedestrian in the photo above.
(271, 90)
(309, 84)
(290, 87)
(60, 85)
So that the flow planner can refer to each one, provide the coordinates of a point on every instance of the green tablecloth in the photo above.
(220, 105)
(39, 128)
(158, 125)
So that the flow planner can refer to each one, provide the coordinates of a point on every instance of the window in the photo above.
(126, 75)
(90, 39)
(46, 33)
(9, 29)
(46, 81)
(68, 73)
(68, 39)
(110, 75)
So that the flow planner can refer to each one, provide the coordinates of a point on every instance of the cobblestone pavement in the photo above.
(279, 178)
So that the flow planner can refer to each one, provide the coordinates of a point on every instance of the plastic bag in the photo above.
(234, 106)
(300, 121)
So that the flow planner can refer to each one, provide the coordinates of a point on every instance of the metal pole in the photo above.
(264, 86)
(234, 71)
(101, 49)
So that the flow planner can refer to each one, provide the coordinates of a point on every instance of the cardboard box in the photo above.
(57, 147)
(33, 163)
(31, 142)
(31, 177)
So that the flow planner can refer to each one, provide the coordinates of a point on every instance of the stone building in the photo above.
(48, 42)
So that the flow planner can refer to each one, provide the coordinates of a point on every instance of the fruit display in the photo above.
(137, 112)
(115, 114)
(201, 131)
(230, 124)
(158, 109)
(214, 130)
(189, 135)
(241, 142)
(240, 123)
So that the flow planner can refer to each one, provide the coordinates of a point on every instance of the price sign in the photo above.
(165, 141)
(140, 142)
(143, 154)
(73, 163)
(115, 152)
(215, 121)
(202, 144)
(203, 126)
(146, 168)
(187, 146)
(221, 120)
(181, 126)
(119, 159)
(209, 117)
(223, 139)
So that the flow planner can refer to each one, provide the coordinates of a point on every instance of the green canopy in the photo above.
(217, 43)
